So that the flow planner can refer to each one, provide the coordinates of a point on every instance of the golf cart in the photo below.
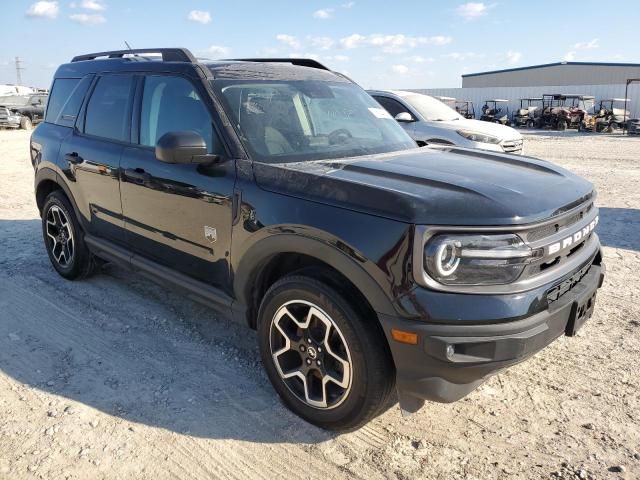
(496, 111)
(611, 115)
(578, 110)
(553, 114)
(525, 116)
(465, 108)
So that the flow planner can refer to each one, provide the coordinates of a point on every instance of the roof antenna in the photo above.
(128, 46)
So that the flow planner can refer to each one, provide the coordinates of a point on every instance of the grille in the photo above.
(512, 146)
(561, 224)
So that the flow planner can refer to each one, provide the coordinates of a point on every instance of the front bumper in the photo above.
(454, 358)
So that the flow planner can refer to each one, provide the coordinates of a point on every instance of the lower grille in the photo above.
(4, 115)
(512, 146)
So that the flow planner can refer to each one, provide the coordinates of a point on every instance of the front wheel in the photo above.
(26, 123)
(328, 366)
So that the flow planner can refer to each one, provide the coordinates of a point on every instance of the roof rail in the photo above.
(168, 54)
(301, 62)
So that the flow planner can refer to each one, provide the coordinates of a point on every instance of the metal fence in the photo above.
(479, 95)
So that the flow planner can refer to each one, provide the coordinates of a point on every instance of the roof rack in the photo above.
(168, 54)
(301, 62)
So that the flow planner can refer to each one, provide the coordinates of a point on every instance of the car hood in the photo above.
(488, 128)
(433, 186)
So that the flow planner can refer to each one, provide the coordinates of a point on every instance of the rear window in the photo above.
(108, 108)
(65, 100)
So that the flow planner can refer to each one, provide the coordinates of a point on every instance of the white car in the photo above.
(429, 121)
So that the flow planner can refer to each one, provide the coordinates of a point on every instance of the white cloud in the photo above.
(587, 45)
(341, 58)
(377, 58)
(95, 5)
(462, 55)
(401, 69)
(569, 57)
(513, 57)
(288, 40)
(472, 10)
(421, 59)
(321, 43)
(43, 9)
(199, 16)
(88, 19)
(218, 50)
(391, 43)
(348, 5)
(323, 13)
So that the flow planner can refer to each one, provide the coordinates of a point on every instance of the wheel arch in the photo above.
(47, 181)
(267, 261)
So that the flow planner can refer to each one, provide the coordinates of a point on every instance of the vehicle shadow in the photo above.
(620, 228)
(135, 350)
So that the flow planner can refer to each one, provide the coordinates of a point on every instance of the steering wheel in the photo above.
(339, 136)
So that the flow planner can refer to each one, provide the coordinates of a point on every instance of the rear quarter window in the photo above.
(65, 100)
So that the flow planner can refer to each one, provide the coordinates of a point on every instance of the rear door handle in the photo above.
(138, 175)
(74, 158)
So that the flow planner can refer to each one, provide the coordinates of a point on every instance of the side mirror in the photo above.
(404, 117)
(183, 147)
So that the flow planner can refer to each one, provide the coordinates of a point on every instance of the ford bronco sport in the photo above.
(279, 192)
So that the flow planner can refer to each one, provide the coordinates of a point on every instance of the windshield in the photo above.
(280, 121)
(431, 109)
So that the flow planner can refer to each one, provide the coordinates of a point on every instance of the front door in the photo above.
(175, 214)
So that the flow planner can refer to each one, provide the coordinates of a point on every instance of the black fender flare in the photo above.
(48, 174)
(258, 255)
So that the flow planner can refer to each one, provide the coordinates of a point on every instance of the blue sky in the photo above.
(380, 44)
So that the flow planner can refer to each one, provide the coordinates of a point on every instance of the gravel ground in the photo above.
(115, 377)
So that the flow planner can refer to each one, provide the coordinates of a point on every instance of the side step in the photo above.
(195, 289)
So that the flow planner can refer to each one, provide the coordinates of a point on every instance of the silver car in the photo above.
(430, 121)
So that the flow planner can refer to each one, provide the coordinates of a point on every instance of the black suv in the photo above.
(279, 192)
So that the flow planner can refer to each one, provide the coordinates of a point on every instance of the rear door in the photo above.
(177, 215)
(91, 154)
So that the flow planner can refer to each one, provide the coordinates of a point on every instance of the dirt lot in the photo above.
(115, 377)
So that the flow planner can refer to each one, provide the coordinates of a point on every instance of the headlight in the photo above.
(475, 259)
(478, 137)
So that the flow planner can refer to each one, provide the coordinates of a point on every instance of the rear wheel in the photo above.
(327, 365)
(63, 239)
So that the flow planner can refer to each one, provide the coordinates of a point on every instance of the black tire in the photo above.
(562, 125)
(25, 123)
(531, 124)
(80, 262)
(371, 377)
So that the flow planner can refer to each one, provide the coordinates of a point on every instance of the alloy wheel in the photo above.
(310, 354)
(60, 236)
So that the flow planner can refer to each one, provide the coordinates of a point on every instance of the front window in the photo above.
(431, 109)
(280, 121)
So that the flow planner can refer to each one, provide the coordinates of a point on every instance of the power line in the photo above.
(19, 69)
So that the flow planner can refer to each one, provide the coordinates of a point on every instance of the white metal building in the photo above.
(602, 80)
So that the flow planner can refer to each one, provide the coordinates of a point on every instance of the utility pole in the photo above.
(19, 69)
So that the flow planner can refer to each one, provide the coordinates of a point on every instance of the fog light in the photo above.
(450, 351)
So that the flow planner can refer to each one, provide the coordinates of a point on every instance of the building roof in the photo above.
(555, 64)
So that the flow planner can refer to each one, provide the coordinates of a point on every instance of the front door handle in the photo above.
(138, 175)
(74, 158)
